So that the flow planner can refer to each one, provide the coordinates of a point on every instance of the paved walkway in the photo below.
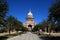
(27, 36)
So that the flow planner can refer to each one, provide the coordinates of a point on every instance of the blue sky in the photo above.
(20, 8)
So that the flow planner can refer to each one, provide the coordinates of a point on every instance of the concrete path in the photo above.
(27, 36)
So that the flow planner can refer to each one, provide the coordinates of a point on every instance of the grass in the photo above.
(51, 34)
(5, 37)
(13, 35)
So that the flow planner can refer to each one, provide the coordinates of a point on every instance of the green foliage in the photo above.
(17, 25)
(1, 20)
(11, 19)
(24, 29)
(53, 25)
(55, 14)
(10, 22)
(44, 23)
(37, 27)
(13, 23)
(3, 11)
(55, 11)
(3, 8)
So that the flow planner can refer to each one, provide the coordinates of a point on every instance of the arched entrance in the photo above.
(29, 27)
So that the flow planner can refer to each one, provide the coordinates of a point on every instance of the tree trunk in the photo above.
(49, 28)
(45, 29)
(9, 30)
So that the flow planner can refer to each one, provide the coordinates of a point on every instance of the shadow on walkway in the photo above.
(6, 36)
(3, 37)
(49, 38)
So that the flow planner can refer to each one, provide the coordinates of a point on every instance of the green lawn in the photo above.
(4, 36)
(51, 34)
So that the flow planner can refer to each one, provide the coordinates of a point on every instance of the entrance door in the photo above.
(29, 27)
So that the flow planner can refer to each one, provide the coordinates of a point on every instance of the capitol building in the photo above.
(29, 23)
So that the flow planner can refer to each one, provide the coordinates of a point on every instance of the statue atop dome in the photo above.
(30, 13)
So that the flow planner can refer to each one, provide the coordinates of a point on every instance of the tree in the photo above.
(3, 8)
(8, 27)
(24, 29)
(17, 25)
(3, 11)
(37, 27)
(45, 25)
(14, 24)
(10, 21)
(55, 13)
